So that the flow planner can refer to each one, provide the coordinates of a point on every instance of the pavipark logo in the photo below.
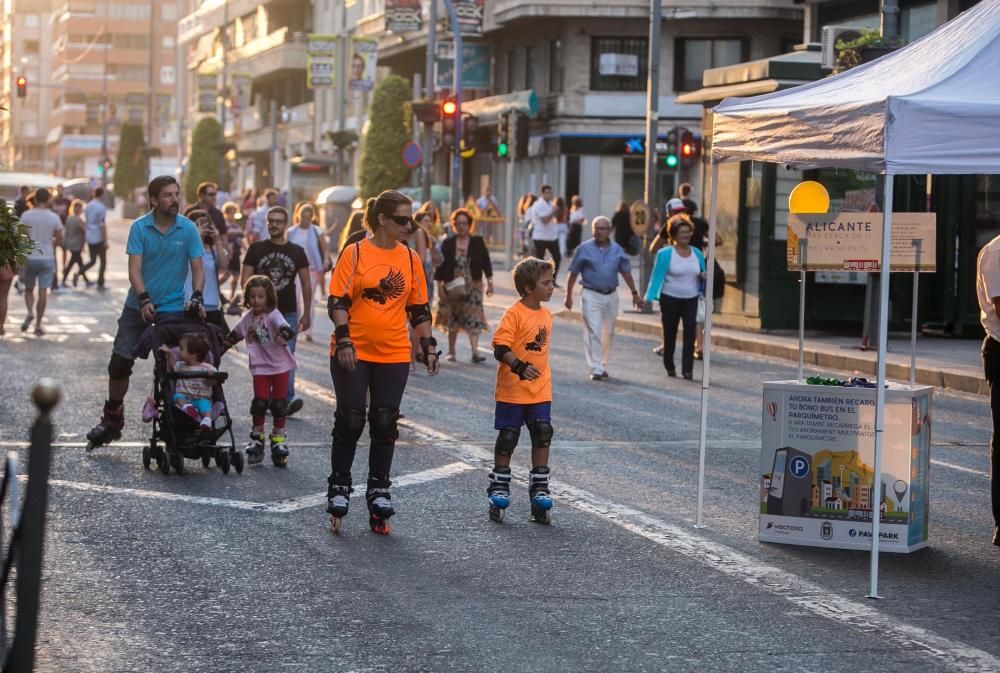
(882, 535)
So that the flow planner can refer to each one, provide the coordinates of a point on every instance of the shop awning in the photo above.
(488, 110)
(753, 78)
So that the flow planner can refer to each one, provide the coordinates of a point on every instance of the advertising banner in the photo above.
(403, 16)
(208, 90)
(321, 61)
(818, 466)
(853, 242)
(364, 60)
(240, 92)
(470, 16)
(476, 69)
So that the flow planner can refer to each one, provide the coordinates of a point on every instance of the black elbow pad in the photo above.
(500, 351)
(419, 314)
(341, 303)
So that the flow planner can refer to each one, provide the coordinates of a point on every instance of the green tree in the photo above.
(132, 164)
(15, 241)
(206, 156)
(382, 164)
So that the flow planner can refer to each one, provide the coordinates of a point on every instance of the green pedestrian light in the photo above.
(671, 161)
(502, 150)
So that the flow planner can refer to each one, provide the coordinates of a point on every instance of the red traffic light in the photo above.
(449, 108)
(688, 149)
(22, 86)
(22, 81)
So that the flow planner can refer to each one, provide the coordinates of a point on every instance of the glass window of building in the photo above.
(693, 56)
(555, 66)
(618, 63)
(529, 67)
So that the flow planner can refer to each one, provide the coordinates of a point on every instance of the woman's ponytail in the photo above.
(371, 219)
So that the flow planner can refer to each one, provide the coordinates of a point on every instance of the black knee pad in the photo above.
(507, 441)
(348, 425)
(279, 408)
(258, 407)
(119, 367)
(383, 428)
(541, 434)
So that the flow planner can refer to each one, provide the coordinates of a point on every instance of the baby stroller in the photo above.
(176, 435)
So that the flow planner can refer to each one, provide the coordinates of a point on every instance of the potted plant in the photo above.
(15, 242)
(870, 46)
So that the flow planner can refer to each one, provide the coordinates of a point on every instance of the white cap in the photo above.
(675, 205)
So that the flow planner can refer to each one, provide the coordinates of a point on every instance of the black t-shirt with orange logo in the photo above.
(527, 332)
(381, 284)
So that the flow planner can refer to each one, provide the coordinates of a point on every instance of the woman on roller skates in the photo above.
(267, 336)
(377, 284)
(524, 388)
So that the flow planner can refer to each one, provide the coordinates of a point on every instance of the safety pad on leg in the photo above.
(279, 408)
(348, 424)
(541, 434)
(119, 368)
(383, 424)
(258, 407)
(507, 441)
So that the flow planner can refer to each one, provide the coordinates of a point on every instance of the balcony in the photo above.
(211, 15)
(281, 50)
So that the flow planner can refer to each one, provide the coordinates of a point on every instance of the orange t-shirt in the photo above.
(527, 332)
(381, 284)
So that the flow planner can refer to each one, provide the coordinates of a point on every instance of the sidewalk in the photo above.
(944, 363)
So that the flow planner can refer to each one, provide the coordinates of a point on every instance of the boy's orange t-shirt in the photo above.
(527, 332)
(381, 284)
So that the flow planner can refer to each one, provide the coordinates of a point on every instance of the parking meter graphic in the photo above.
(791, 485)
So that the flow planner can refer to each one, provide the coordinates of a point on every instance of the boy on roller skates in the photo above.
(267, 335)
(524, 388)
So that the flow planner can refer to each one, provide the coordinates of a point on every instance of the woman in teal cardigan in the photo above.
(678, 280)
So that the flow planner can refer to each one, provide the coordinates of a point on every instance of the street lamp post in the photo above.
(652, 120)
(456, 157)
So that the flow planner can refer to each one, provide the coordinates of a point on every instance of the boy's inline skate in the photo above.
(338, 498)
(541, 499)
(499, 492)
(109, 428)
(379, 505)
(279, 451)
(255, 448)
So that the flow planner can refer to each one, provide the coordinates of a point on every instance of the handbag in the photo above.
(456, 289)
(700, 318)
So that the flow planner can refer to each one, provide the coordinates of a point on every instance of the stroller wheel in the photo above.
(224, 464)
(206, 460)
(147, 456)
(163, 462)
(177, 462)
(238, 462)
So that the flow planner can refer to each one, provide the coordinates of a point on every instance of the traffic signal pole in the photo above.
(508, 225)
(652, 120)
(428, 166)
(456, 157)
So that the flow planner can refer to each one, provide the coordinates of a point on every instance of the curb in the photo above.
(816, 357)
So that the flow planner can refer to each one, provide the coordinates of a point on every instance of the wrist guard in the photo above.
(343, 345)
(342, 332)
(286, 333)
(197, 299)
(144, 299)
(428, 346)
(518, 367)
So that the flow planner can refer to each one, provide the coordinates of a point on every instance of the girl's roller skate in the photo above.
(499, 492)
(338, 498)
(379, 505)
(109, 428)
(255, 448)
(279, 452)
(541, 499)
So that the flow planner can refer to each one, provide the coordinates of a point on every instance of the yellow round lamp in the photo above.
(809, 197)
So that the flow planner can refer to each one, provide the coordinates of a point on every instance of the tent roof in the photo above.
(930, 107)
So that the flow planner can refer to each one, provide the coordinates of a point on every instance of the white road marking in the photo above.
(279, 507)
(802, 593)
(960, 468)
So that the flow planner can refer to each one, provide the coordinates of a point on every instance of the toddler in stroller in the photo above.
(191, 417)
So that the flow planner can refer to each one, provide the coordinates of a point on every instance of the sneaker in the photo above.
(192, 412)
(294, 407)
(206, 426)
(659, 350)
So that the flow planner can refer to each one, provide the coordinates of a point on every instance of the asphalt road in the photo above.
(213, 572)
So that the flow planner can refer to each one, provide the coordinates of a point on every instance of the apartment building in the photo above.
(587, 64)
(25, 50)
(113, 61)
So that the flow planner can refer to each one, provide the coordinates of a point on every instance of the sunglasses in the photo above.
(401, 220)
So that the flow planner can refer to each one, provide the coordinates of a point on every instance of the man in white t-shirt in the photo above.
(95, 214)
(45, 230)
(544, 228)
(988, 293)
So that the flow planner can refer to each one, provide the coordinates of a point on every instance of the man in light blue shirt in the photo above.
(598, 263)
(161, 246)
(96, 235)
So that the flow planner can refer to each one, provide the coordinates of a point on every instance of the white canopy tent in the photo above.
(930, 107)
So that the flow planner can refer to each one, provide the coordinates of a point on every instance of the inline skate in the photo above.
(255, 448)
(279, 451)
(109, 428)
(499, 492)
(379, 505)
(338, 498)
(541, 499)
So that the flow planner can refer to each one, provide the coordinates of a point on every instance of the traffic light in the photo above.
(22, 86)
(427, 111)
(503, 135)
(520, 141)
(690, 149)
(448, 122)
(671, 157)
(470, 126)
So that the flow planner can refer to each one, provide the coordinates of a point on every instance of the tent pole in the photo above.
(803, 251)
(883, 332)
(913, 315)
(707, 345)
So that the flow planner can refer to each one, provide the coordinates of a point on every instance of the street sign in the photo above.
(413, 154)
(639, 218)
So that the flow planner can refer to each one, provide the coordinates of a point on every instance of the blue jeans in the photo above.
(293, 321)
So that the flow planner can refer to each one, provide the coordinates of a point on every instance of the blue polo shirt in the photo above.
(166, 258)
(599, 267)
